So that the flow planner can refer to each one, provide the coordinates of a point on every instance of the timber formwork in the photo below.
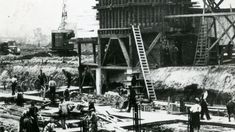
(117, 51)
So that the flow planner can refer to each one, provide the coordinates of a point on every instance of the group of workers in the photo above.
(197, 112)
(45, 86)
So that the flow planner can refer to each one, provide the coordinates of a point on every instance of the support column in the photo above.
(98, 69)
(80, 66)
(98, 81)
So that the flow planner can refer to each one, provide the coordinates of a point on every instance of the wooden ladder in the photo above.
(202, 50)
(143, 62)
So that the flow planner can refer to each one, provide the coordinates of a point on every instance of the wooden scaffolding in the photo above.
(120, 49)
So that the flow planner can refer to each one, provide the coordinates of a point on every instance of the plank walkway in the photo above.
(59, 90)
(161, 117)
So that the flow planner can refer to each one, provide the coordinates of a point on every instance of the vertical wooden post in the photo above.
(80, 66)
(130, 51)
(98, 70)
(94, 51)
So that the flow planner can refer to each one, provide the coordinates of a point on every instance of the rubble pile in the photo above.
(111, 99)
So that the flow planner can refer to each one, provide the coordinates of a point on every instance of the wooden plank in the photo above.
(115, 67)
(106, 52)
(152, 45)
(124, 51)
(131, 51)
(201, 15)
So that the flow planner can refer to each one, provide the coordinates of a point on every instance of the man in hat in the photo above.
(68, 77)
(42, 78)
(13, 84)
(194, 120)
(204, 105)
(52, 88)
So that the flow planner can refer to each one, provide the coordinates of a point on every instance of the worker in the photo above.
(13, 84)
(42, 78)
(4, 85)
(63, 111)
(33, 113)
(194, 119)
(91, 106)
(66, 94)
(133, 80)
(20, 97)
(204, 105)
(132, 99)
(93, 121)
(52, 88)
(175, 51)
(68, 77)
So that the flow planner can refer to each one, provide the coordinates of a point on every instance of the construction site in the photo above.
(150, 64)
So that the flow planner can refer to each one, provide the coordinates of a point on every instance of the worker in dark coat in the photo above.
(13, 84)
(133, 80)
(33, 113)
(194, 119)
(68, 77)
(66, 94)
(20, 97)
(42, 78)
(132, 99)
(52, 89)
(204, 106)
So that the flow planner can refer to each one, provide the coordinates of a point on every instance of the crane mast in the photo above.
(64, 16)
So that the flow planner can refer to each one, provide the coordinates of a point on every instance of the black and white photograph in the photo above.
(117, 65)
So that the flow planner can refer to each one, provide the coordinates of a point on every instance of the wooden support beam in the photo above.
(94, 51)
(80, 65)
(124, 51)
(226, 32)
(152, 45)
(131, 51)
(221, 36)
(222, 26)
(106, 52)
(201, 15)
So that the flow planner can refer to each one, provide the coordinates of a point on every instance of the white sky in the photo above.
(18, 18)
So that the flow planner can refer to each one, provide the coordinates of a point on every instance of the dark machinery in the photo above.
(61, 42)
(9, 48)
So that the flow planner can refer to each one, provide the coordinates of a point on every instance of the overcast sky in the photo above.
(20, 17)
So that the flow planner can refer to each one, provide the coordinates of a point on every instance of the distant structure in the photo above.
(61, 38)
(136, 35)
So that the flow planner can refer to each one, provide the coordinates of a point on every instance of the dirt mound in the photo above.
(216, 78)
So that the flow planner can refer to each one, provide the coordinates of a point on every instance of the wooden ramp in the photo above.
(4, 96)
(59, 90)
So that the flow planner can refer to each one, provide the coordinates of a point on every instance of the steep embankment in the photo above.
(178, 82)
(216, 78)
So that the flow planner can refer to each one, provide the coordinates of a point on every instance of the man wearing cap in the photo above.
(194, 120)
(68, 77)
(52, 89)
(204, 105)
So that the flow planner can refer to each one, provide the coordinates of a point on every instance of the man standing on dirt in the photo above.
(204, 105)
(13, 84)
(194, 119)
(132, 99)
(52, 88)
(63, 111)
(42, 78)
(68, 77)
